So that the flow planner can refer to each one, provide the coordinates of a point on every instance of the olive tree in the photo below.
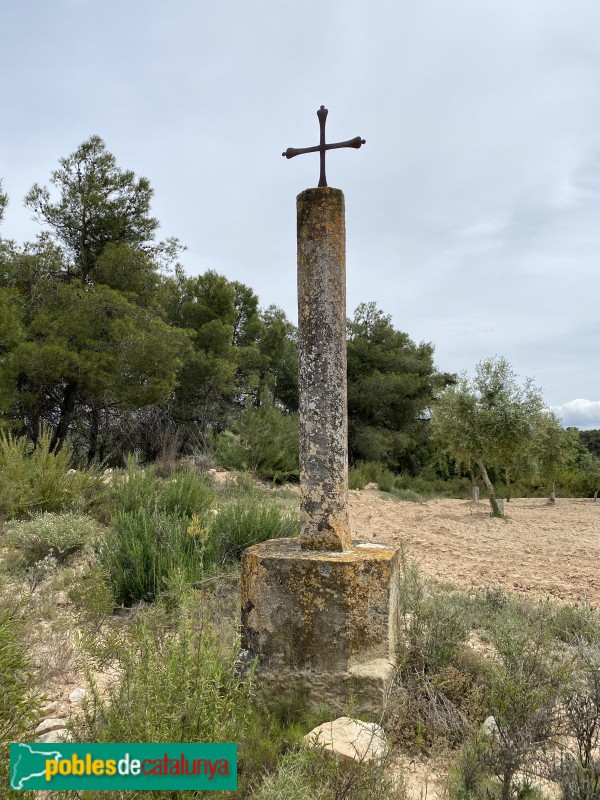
(490, 420)
(557, 448)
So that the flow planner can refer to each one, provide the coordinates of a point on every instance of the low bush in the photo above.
(243, 523)
(19, 708)
(34, 479)
(578, 770)
(314, 774)
(408, 495)
(142, 550)
(179, 683)
(432, 626)
(185, 493)
(50, 534)
(371, 472)
(196, 694)
(431, 697)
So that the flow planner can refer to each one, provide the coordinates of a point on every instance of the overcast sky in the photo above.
(472, 213)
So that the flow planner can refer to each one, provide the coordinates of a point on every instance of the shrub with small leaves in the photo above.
(50, 534)
(265, 441)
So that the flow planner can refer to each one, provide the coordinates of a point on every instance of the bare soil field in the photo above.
(543, 551)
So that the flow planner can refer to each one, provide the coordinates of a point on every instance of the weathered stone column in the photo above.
(322, 370)
(319, 612)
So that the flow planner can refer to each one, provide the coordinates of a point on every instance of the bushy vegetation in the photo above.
(35, 479)
(18, 704)
(263, 440)
(165, 531)
(143, 550)
(184, 493)
(51, 534)
(534, 677)
(241, 524)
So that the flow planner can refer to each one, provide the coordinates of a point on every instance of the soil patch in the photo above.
(543, 551)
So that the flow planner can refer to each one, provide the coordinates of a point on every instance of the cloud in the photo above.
(579, 413)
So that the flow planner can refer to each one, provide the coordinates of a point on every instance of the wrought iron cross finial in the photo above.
(322, 147)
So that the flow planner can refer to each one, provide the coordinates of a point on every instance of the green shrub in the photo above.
(92, 597)
(408, 495)
(429, 694)
(238, 485)
(575, 624)
(296, 778)
(357, 477)
(314, 774)
(34, 480)
(523, 699)
(469, 779)
(578, 773)
(185, 493)
(50, 534)
(428, 484)
(432, 626)
(265, 441)
(142, 551)
(19, 708)
(371, 472)
(243, 523)
(174, 685)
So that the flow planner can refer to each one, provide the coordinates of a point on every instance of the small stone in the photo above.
(350, 739)
(490, 727)
(61, 599)
(77, 695)
(50, 707)
(60, 735)
(50, 724)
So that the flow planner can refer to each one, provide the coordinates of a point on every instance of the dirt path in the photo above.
(549, 552)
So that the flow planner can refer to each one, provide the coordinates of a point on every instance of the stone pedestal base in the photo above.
(325, 623)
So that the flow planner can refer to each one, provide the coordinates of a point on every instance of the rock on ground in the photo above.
(351, 739)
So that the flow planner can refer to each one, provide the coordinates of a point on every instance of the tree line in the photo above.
(106, 343)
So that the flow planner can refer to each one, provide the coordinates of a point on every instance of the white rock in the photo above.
(50, 724)
(61, 735)
(350, 739)
(77, 695)
(490, 726)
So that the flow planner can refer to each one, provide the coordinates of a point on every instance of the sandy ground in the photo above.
(544, 551)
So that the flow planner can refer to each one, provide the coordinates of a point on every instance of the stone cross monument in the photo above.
(319, 613)
(322, 357)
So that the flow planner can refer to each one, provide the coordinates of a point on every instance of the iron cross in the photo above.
(322, 147)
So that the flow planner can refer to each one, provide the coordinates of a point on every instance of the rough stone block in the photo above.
(324, 622)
